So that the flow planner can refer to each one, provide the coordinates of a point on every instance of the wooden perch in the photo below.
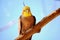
(39, 25)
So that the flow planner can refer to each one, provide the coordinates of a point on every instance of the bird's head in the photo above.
(26, 11)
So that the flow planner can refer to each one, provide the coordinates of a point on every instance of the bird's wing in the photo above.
(35, 23)
(34, 20)
(20, 24)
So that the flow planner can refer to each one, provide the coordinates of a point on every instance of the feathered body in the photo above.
(27, 21)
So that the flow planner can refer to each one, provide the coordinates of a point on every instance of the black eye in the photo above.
(24, 10)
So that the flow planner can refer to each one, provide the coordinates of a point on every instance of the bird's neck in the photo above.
(27, 14)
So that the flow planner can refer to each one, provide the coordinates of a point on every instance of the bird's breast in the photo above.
(27, 22)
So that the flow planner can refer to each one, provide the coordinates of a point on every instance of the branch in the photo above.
(39, 25)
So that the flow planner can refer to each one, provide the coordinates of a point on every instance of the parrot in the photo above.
(26, 21)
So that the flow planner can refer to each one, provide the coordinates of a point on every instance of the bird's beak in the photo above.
(27, 11)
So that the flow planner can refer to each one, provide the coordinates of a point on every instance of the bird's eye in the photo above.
(24, 10)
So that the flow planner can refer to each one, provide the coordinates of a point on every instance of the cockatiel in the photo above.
(26, 21)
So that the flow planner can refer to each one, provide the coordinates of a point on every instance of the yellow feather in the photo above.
(25, 14)
(26, 11)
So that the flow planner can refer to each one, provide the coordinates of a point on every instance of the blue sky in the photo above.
(10, 10)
